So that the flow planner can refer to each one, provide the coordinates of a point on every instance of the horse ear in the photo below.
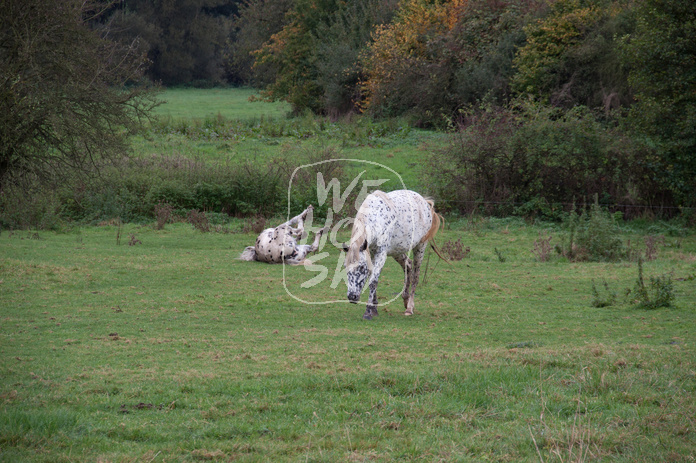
(364, 246)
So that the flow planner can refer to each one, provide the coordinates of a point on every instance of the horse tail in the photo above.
(432, 245)
(438, 222)
(249, 254)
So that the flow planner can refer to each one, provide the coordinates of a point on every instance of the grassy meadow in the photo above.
(233, 103)
(125, 343)
(223, 126)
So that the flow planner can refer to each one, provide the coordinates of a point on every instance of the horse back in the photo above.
(399, 220)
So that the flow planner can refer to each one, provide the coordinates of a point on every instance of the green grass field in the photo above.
(171, 349)
(233, 103)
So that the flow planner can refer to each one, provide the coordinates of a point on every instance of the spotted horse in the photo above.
(389, 224)
(279, 244)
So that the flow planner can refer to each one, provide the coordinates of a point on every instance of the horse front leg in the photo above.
(303, 250)
(377, 264)
(418, 253)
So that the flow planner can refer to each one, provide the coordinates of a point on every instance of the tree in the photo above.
(661, 56)
(253, 26)
(340, 43)
(314, 58)
(439, 56)
(571, 55)
(292, 54)
(185, 39)
(64, 102)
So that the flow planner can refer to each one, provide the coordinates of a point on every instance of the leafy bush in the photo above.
(533, 160)
(651, 243)
(199, 221)
(163, 214)
(354, 132)
(135, 188)
(598, 235)
(33, 208)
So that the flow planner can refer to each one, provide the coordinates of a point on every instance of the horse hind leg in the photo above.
(299, 221)
(418, 253)
(405, 263)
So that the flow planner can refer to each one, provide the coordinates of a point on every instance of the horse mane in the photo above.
(437, 222)
(358, 235)
(384, 197)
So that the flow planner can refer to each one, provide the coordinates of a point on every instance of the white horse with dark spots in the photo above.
(389, 224)
(279, 245)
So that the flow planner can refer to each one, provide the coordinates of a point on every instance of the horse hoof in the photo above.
(367, 317)
(408, 314)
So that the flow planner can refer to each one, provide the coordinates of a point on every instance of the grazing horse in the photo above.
(278, 245)
(389, 224)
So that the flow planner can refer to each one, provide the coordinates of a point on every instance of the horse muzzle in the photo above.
(354, 298)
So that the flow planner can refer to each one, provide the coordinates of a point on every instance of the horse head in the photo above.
(358, 266)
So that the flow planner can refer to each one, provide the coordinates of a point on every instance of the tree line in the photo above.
(620, 73)
(630, 63)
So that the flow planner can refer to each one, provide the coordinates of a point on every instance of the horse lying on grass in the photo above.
(389, 224)
(278, 245)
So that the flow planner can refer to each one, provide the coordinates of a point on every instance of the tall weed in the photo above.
(658, 294)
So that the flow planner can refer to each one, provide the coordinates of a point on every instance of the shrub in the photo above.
(163, 213)
(651, 243)
(455, 250)
(198, 220)
(660, 292)
(35, 207)
(255, 224)
(133, 189)
(598, 235)
(592, 236)
(532, 160)
(542, 247)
